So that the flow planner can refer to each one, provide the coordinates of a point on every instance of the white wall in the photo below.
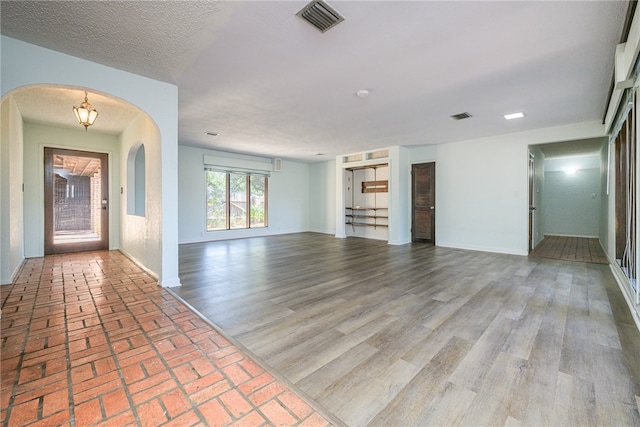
(426, 154)
(288, 203)
(11, 200)
(139, 234)
(322, 197)
(38, 136)
(482, 200)
(482, 188)
(24, 64)
(399, 196)
(572, 203)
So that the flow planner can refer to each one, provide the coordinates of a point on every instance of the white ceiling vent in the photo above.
(461, 116)
(320, 15)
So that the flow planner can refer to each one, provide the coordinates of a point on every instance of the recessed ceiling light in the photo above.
(362, 93)
(319, 154)
(211, 133)
(514, 116)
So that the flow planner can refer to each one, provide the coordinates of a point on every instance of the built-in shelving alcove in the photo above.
(366, 195)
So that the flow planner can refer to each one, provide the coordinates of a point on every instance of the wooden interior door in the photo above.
(423, 202)
(76, 201)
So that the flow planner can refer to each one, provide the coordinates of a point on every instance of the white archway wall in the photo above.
(138, 234)
(11, 200)
(25, 64)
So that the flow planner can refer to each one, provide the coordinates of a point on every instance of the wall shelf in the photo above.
(362, 213)
(368, 186)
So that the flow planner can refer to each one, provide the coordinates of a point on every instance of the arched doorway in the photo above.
(40, 118)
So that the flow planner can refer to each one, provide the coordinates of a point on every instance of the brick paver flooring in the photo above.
(90, 339)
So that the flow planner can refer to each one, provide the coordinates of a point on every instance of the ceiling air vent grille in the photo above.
(461, 116)
(320, 15)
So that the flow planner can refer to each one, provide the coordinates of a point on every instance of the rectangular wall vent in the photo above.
(320, 15)
(380, 154)
(461, 116)
(352, 158)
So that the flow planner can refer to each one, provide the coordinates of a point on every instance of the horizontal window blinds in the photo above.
(249, 167)
(225, 169)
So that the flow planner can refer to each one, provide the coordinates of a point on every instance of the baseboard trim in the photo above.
(139, 264)
(482, 249)
(14, 274)
(571, 235)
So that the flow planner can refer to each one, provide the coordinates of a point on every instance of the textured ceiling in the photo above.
(272, 85)
(53, 104)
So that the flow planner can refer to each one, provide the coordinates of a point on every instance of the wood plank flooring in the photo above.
(571, 249)
(387, 335)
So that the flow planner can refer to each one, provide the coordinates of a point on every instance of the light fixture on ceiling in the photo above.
(570, 171)
(362, 93)
(518, 115)
(85, 113)
(209, 133)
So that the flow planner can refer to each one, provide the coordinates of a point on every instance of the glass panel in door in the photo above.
(76, 201)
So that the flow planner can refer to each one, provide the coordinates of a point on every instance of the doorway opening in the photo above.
(566, 191)
(423, 202)
(76, 201)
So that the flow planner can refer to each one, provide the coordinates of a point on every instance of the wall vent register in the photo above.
(320, 15)
(461, 116)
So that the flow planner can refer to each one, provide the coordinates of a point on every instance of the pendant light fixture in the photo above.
(85, 113)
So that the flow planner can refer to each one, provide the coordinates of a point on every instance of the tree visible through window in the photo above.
(235, 200)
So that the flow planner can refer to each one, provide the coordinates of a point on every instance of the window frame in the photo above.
(228, 219)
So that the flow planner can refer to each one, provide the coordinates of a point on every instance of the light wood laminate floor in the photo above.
(419, 335)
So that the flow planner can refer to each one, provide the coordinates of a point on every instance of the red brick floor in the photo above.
(90, 339)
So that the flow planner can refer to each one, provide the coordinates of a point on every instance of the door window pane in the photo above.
(76, 199)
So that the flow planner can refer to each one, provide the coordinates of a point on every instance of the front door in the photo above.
(423, 201)
(76, 197)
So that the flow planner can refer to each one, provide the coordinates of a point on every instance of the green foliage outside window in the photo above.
(235, 200)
